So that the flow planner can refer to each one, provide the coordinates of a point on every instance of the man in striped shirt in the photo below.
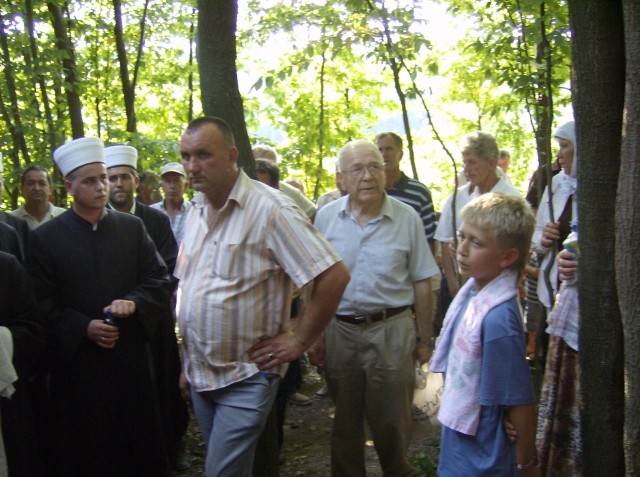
(404, 188)
(245, 247)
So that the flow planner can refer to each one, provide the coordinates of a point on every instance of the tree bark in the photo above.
(598, 99)
(128, 89)
(46, 102)
(216, 55)
(628, 236)
(71, 83)
(12, 116)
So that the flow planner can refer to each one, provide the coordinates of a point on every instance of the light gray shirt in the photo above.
(33, 223)
(384, 258)
(177, 223)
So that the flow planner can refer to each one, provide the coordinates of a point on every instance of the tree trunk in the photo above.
(69, 67)
(628, 237)
(48, 115)
(14, 123)
(216, 54)
(598, 98)
(128, 91)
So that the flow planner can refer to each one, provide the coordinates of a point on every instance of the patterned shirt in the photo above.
(384, 258)
(237, 266)
(417, 195)
(177, 222)
(33, 223)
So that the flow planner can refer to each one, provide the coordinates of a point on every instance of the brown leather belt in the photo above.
(373, 318)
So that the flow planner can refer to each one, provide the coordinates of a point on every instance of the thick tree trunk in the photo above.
(216, 54)
(598, 97)
(628, 237)
(69, 67)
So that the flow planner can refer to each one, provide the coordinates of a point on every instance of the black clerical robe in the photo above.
(20, 225)
(104, 401)
(164, 345)
(10, 241)
(17, 313)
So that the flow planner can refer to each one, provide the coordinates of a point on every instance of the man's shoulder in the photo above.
(330, 210)
(415, 184)
(121, 219)
(19, 212)
(503, 186)
(148, 212)
(400, 207)
(55, 210)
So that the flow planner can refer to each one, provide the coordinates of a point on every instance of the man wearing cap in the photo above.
(174, 184)
(91, 265)
(245, 247)
(36, 189)
(122, 162)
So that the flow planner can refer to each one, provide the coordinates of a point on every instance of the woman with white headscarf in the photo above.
(558, 435)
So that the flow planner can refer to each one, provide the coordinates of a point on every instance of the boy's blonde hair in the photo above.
(508, 217)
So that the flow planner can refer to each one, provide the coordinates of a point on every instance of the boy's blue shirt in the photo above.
(505, 380)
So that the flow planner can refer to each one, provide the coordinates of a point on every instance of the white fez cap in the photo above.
(173, 167)
(121, 156)
(78, 153)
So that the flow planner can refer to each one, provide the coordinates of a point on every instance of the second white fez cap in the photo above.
(121, 156)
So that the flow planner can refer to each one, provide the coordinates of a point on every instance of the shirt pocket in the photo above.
(388, 262)
(225, 261)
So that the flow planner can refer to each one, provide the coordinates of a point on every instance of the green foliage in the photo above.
(423, 466)
(331, 82)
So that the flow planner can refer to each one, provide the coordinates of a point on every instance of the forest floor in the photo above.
(306, 441)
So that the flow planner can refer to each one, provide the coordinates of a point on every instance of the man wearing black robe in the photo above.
(121, 162)
(17, 313)
(87, 264)
(10, 242)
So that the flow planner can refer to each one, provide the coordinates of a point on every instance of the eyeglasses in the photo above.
(373, 169)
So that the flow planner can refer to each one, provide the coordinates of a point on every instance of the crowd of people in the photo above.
(256, 276)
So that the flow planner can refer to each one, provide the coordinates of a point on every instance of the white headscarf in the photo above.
(563, 186)
(568, 132)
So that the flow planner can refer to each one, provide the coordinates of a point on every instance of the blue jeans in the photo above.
(231, 419)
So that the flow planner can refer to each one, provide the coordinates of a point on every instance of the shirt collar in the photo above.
(238, 194)
(385, 211)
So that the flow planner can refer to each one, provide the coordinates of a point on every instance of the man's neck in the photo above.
(126, 208)
(365, 212)
(173, 206)
(92, 216)
(37, 210)
(488, 184)
(392, 178)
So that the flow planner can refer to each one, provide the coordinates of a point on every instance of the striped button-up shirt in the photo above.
(237, 267)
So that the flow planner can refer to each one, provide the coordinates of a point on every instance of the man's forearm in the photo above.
(328, 288)
(423, 304)
(448, 267)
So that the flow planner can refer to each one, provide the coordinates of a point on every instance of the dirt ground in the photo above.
(306, 441)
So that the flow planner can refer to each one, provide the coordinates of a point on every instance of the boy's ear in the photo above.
(509, 257)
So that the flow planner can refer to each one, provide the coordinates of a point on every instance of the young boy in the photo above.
(482, 347)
